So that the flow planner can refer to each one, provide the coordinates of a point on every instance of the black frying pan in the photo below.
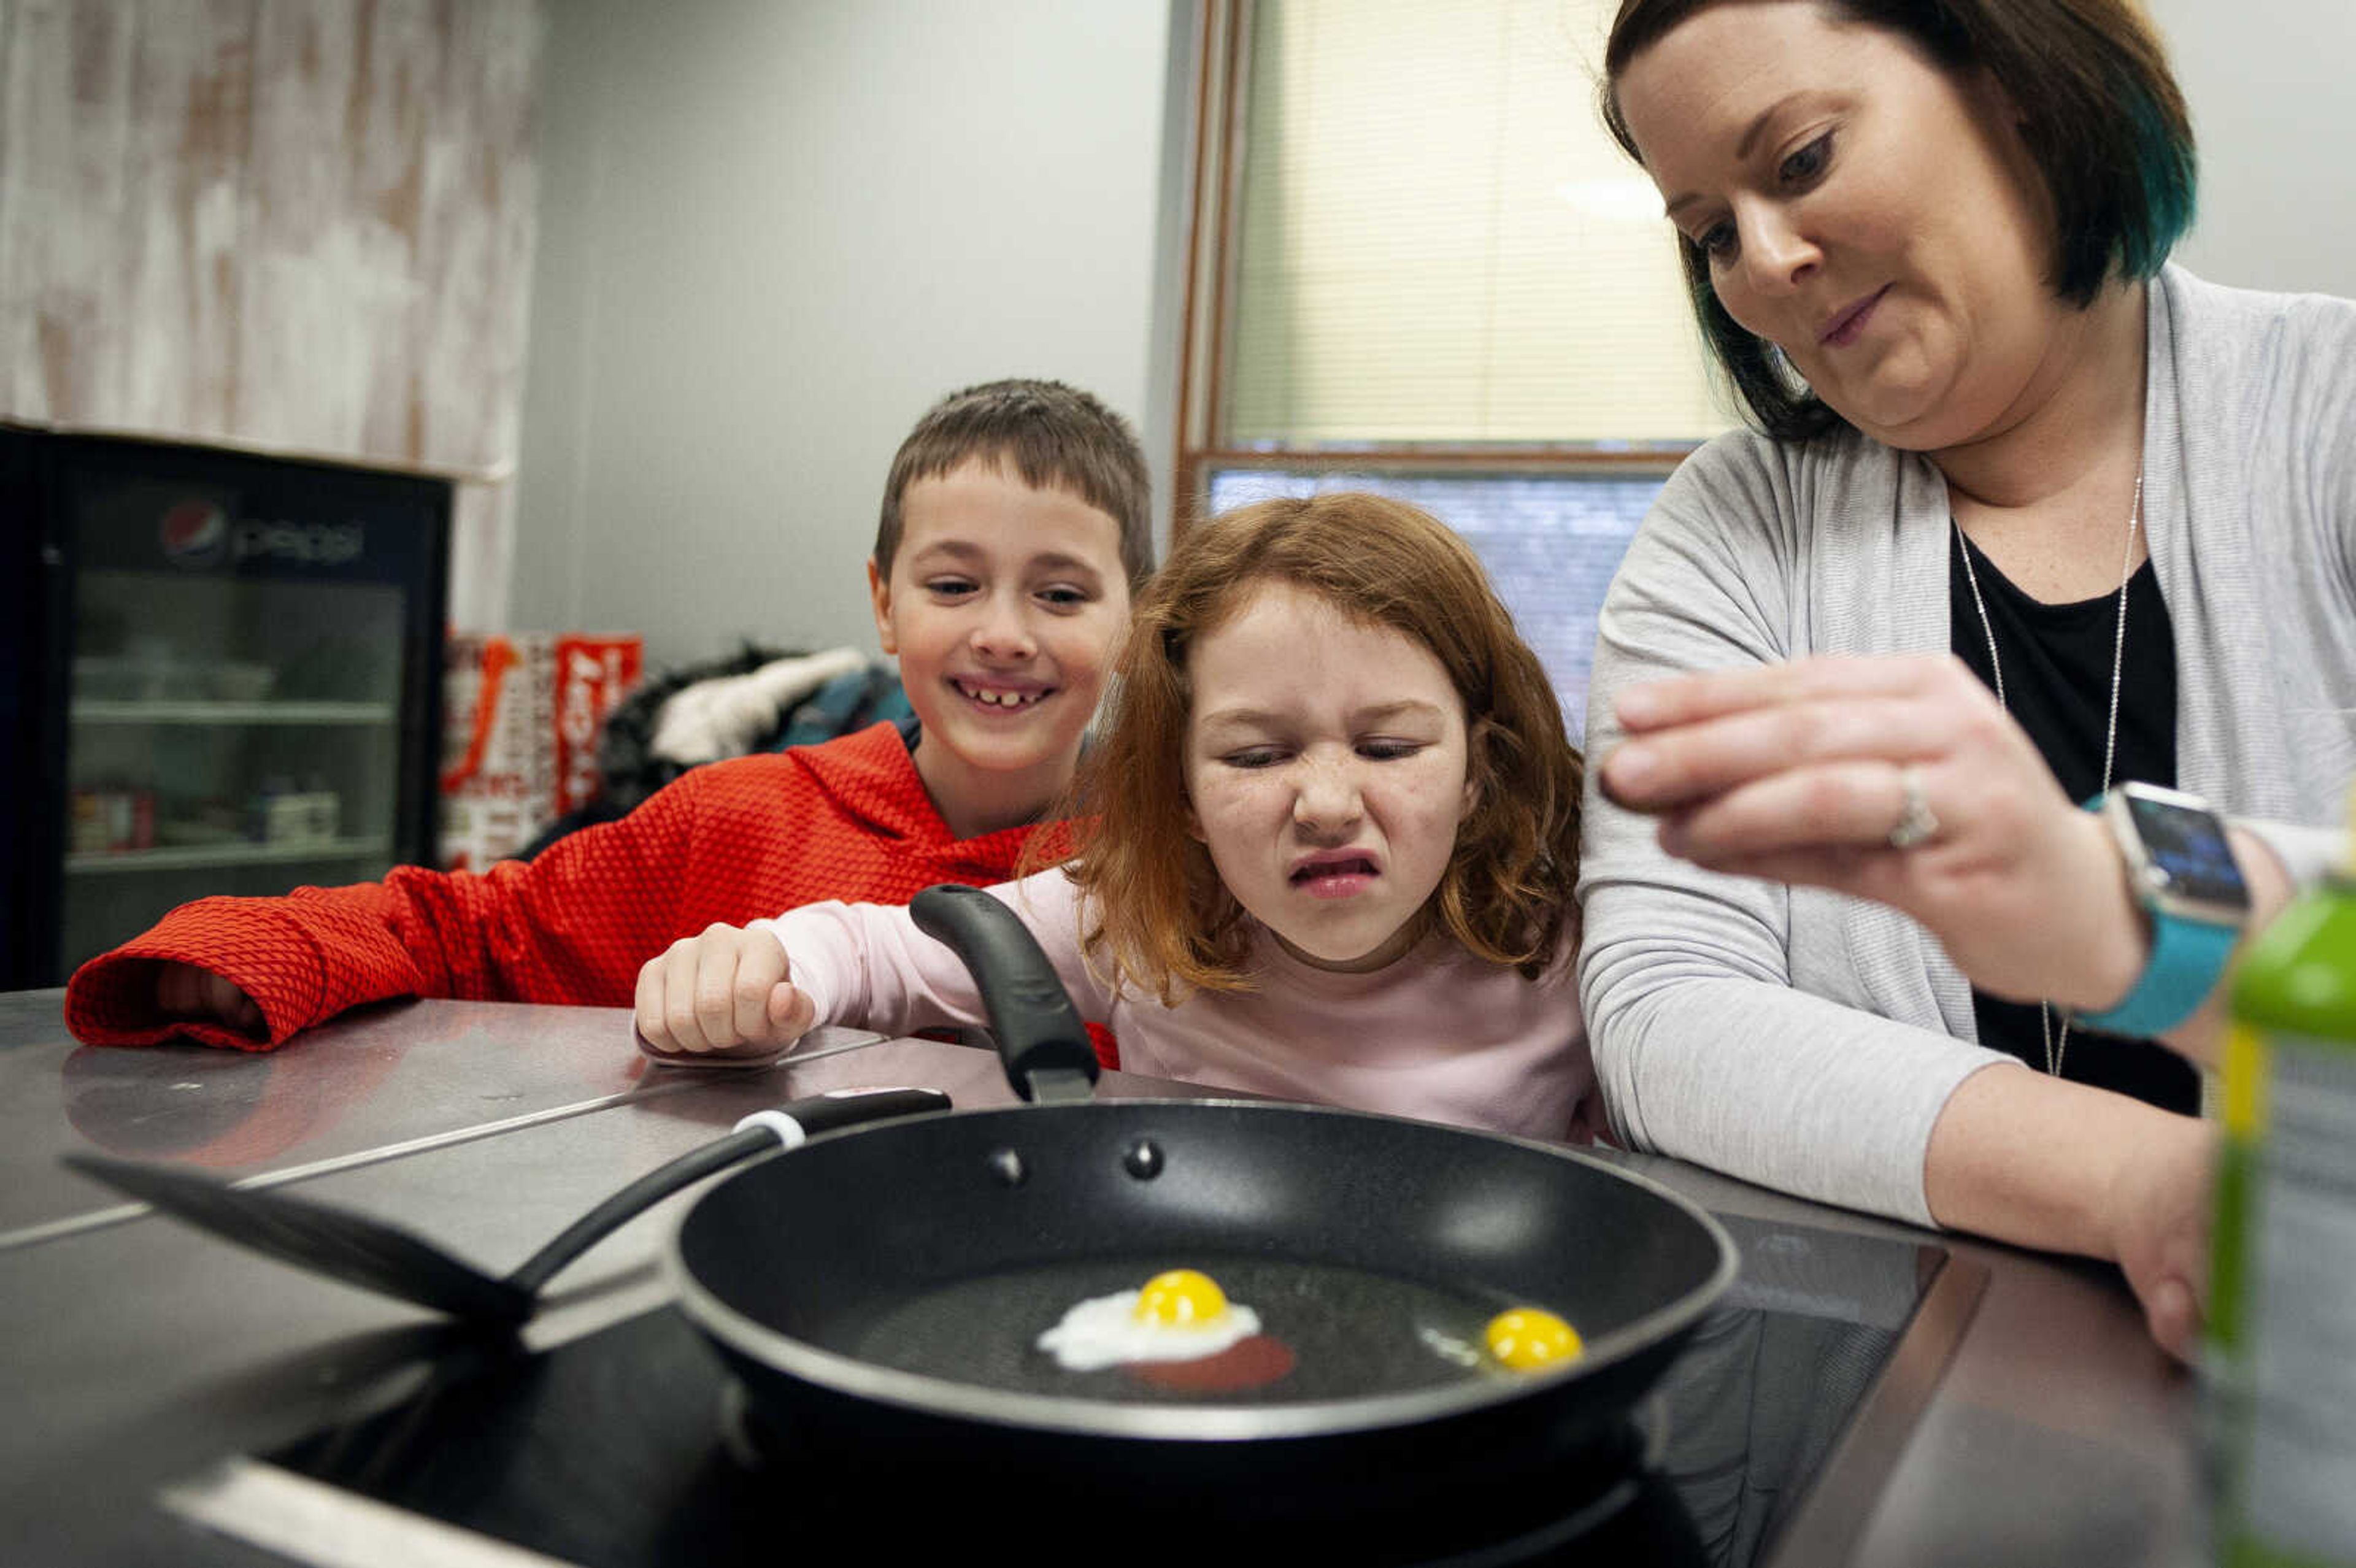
(881, 1294)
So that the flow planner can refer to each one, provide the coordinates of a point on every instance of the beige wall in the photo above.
(2275, 116)
(772, 233)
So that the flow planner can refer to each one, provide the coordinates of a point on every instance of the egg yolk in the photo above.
(1529, 1338)
(1182, 1298)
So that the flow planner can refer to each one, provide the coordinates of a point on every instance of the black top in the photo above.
(2057, 683)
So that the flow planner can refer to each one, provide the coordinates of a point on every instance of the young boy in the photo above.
(1015, 525)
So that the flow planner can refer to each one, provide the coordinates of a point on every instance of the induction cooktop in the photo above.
(1763, 1446)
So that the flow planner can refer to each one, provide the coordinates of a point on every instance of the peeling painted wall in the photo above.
(305, 224)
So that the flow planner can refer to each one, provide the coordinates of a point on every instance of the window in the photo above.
(1420, 266)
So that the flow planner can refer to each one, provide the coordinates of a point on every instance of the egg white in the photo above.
(1103, 1331)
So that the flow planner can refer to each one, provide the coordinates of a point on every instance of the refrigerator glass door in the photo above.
(242, 705)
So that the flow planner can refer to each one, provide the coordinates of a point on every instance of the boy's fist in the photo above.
(185, 991)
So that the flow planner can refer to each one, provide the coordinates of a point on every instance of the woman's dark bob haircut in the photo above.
(2101, 116)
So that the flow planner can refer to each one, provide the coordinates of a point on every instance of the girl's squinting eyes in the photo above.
(1382, 751)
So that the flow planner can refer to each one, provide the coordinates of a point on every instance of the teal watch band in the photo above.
(2188, 958)
(2180, 870)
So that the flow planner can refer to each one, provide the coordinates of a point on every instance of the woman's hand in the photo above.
(1804, 772)
(2044, 1163)
(185, 991)
(725, 992)
(2159, 1204)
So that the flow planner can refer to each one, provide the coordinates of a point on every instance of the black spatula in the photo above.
(374, 1255)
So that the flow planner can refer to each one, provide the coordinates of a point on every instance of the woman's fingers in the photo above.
(1900, 780)
(1690, 699)
(1708, 757)
(1846, 804)
(2024, 892)
(2159, 1202)
(2169, 1310)
(1702, 735)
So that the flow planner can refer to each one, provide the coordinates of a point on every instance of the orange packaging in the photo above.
(592, 676)
(522, 715)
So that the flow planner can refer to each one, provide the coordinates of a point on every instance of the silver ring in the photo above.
(1916, 821)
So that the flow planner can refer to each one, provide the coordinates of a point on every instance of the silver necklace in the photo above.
(2055, 1046)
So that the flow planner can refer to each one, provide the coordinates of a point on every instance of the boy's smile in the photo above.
(1003, 698)
(1326, 765)
(1005, 605)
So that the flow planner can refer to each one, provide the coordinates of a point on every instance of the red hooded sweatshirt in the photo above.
(733, 842)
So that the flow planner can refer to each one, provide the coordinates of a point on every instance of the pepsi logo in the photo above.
(194, 533)
(199, 534)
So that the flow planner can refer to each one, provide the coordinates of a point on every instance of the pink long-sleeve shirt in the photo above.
(1440, 1034)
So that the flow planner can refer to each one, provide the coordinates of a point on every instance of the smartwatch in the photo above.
(2181, 873)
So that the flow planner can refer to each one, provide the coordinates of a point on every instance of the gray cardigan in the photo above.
(1807, 1041)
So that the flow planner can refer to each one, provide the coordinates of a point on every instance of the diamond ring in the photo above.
(1916, 821)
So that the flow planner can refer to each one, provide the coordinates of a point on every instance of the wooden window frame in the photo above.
(1222, 84)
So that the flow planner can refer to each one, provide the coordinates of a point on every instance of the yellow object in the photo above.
(2247, 1073)
(1183, 1298)
(1528, 1338)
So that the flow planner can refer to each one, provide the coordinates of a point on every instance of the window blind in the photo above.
(1437, 242)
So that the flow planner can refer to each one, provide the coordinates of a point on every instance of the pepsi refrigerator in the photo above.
(224, 676)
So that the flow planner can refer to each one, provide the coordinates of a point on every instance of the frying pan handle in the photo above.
(1037, 1027)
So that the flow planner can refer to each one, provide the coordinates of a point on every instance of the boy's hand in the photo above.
(723, 992)
(185, 991)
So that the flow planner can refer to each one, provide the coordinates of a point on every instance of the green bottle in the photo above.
(2282, 1307)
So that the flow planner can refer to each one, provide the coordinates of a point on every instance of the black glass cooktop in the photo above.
(1764, 1445)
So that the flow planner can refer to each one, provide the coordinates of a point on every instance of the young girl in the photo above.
(1332, 860)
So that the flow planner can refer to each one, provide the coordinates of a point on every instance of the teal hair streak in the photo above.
(2166, 167)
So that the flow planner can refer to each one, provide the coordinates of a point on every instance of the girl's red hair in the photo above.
(1161, 917)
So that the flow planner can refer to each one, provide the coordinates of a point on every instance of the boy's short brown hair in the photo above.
(1052, 436)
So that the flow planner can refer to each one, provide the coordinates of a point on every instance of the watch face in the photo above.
(2187, 844)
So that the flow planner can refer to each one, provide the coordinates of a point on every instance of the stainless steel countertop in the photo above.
(142, 1352)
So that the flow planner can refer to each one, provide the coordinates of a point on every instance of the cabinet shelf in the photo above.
(221, 713)
(191, 856)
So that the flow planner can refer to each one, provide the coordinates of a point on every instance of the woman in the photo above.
(1927, 242)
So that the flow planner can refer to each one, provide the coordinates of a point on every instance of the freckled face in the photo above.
(1872, 214)
(1326, 764)
(1005, 606)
